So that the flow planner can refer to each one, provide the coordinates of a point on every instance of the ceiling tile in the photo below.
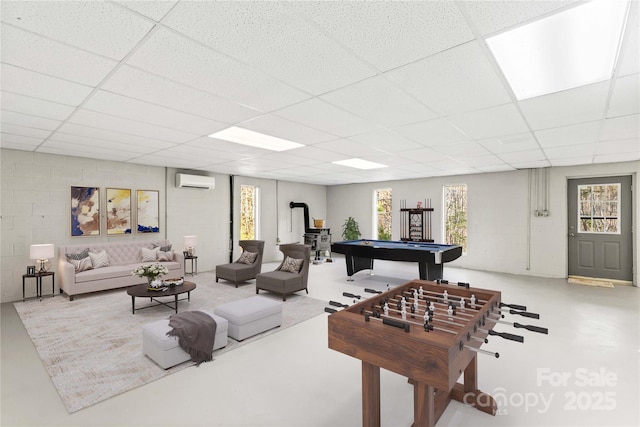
(625, 98)
(481, 161)
(35, 53)
(631, 145)
(179, 59)
(390, 34)
(523, 156)
(35, 107)
(319, 154)
(495, 121)
(616, 157)
(457, 80)
(386, 140)
(569, 135)
(240, 151)
(492, 16)
(378, 100)
(143, 85)
(130, 144)
(629, 58)
(155, 10)
(533, 164)
(432, 133)
(621, 128)
(75, 133)
(348, 148)
(19, 119)
(572, 161)
(108, 122)
(273, 125)
(25, 131)
(18, 142)
(510, 143)
(583, 104)
(132, 109)
(89, 148)
(269, 36)
(38, 85)
(567, 151)
(99, 27)
(464, 149)
(318, 114)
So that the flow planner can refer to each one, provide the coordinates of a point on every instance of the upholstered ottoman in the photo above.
(250, 316)
(165, 350)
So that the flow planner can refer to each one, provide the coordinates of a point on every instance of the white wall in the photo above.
(35, 208)
(502, 236)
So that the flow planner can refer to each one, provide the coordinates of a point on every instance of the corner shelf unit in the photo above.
(415, 223)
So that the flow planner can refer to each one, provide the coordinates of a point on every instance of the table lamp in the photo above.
(190, 244)
(41, 253)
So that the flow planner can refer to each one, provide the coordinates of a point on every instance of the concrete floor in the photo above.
(584, 373)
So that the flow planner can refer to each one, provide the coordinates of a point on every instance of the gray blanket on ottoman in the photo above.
(196, 332)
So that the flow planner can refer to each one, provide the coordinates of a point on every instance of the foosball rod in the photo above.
(456, 298)
(432, 319)
(437, 328)
(479, 350)
(438, 303)
(442, 310)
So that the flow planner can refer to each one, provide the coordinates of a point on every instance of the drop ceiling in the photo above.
(411, 85)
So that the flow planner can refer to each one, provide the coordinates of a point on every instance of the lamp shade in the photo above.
(44, 251)
(190, 241)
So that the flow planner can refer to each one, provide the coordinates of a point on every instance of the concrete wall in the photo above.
(503, 236)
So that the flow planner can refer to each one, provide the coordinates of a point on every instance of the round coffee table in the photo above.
(140, 291)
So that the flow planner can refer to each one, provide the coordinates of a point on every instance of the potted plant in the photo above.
(350, 230)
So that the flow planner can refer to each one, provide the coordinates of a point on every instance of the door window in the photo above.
(599, 207)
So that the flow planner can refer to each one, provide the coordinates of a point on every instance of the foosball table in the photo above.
(429, 332)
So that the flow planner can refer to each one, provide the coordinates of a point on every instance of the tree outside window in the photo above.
(248, 203)
(455, 215)
(384, 213)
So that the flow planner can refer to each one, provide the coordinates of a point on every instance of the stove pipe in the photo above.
(307, 225)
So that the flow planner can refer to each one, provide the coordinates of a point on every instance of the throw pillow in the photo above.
(101, 259)
(165, 255)
(163, 248)
(82, 264)
(247, 257)
(78, 255)
(291, 265)
(149, 255)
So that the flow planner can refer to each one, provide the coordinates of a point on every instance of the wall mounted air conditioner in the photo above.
(195, 181)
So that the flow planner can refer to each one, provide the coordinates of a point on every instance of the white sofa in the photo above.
(123, 258)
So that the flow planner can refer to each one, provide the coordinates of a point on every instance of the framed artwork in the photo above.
(31, 270)
(118, 211)
(148, 211)
(85, 211)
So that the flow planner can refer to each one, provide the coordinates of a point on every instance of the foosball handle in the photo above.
(514, 306)
(531, 328)
(465, 285)
(396, 323)
(330, 310)
(506, 336)
(337, 304)
(525, 314)
(350, 295)
(372, 291)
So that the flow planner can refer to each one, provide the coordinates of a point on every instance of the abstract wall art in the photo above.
(148, 211)
(118, 211)
(85, 211)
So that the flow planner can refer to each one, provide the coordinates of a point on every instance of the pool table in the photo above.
(359, 255)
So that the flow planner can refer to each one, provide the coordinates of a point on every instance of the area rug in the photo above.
(92, 346)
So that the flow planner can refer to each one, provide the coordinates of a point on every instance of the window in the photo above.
(249, 212)
(455, 215)
(598, 208)
(383, 214)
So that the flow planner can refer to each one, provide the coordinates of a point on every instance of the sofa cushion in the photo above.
(291, 265)
(166, 248)
(79, 255)
(100, 259)
(247, 257)
(149, 255)
(165, 256)
(81, 264)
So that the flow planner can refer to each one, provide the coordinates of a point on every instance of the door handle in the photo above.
(572, 235)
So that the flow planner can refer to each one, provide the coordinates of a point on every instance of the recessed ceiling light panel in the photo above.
(359, 164)
(255, 139)
(572, 48)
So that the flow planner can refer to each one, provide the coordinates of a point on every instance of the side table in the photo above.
(192, 258)
(38, 277)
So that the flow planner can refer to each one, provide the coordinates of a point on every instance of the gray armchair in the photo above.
(284, 282)
(238, 271)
